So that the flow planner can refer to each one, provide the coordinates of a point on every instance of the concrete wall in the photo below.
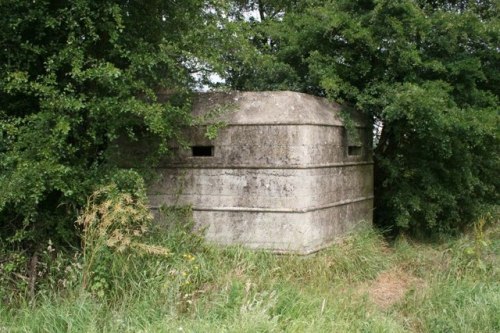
(281, 177)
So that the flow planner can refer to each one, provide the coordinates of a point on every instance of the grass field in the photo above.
(363, 284)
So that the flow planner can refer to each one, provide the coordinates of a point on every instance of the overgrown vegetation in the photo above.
(360, 285)
(426, 71)
(75, 76)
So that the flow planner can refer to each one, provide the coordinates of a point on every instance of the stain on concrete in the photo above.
(280, 178)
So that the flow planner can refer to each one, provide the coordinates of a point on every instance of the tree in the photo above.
(426, 71)
(73, 77)
(76, 75)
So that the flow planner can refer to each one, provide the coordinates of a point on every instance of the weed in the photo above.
(113, 225)
(200, 288)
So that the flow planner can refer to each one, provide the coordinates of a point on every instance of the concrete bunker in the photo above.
(282, 174)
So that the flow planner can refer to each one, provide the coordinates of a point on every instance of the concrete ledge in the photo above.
(291, 233)
(275, 210)
(301, 167)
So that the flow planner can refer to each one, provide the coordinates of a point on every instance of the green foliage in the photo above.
(426, 71)
(481, 244)
(73, 77)
(213, 120)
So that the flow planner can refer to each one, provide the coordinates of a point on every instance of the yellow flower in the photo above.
(188, 256)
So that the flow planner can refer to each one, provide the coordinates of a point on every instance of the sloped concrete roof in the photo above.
(272, 107)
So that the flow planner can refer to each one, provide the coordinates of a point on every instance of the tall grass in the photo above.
(201, 288)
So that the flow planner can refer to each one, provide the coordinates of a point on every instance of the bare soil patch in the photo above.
(390, 287)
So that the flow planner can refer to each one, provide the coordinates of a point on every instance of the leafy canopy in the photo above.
(427, 72)
(74, 75)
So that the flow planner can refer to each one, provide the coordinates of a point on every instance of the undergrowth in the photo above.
(135, 276)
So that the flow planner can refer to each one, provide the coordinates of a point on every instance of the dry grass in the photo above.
(363, 284)
(390, 287)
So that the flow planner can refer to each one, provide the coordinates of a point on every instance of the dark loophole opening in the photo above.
(354, 150)
(197, 151)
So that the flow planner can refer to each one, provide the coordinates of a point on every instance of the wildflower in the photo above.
(188, 256)
(50, 249)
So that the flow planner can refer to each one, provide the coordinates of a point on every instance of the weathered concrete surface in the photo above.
(281, 177)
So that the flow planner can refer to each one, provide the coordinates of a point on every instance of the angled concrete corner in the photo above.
(282, 174)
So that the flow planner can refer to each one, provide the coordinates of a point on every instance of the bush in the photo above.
(426, 74)
(76, 75)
